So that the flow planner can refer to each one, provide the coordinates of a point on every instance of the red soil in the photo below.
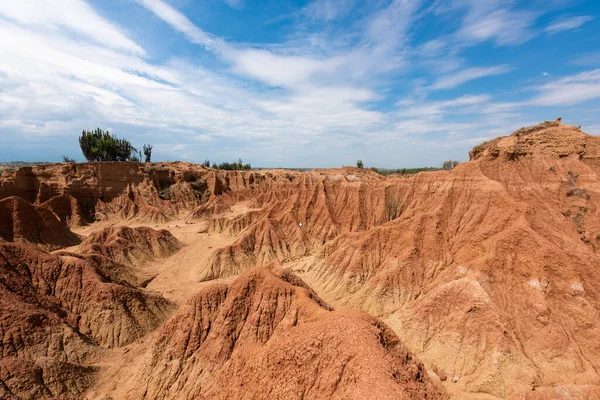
(487, 273)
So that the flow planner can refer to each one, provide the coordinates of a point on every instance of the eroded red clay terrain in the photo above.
(176, 281)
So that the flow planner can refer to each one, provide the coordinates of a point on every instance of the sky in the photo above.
(282, 83)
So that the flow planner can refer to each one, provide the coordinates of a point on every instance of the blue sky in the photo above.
(293, 83)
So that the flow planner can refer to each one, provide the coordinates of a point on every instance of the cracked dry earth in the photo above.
(191, 283)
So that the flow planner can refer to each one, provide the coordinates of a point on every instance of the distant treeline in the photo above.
(447, 165)
(403, 171)
(229, 166)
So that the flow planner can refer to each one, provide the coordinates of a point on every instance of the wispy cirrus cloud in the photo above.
(469, 74)
(180, 22)
(72, 15)
(384, 33)
(490, 20)
(570, 90)
(587, 59)
(502, 26)
(328, 9)
(567, 24)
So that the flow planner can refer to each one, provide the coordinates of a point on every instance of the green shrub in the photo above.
(233, 166)
(360, 164)
(449, 164)
(403, 171)
(393, 207)
(99, 145)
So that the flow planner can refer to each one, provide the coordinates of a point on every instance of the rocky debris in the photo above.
(270, 337)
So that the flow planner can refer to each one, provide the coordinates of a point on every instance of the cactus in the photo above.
(147, 152)
(99, 145)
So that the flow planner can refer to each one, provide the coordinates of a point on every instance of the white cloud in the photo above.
(328, 9)
(431, 108)
(320, 108)
(504, 27)
(494, 20)
(388, 28)
(276, 70)
(592, 129)
(589, 59)
(456, 79)
(567, 24)
(74, 15)
(385, 32)
(179, 22)
(63, 85)
(571, 90)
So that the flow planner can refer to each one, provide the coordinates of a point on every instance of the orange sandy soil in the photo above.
(483, 285)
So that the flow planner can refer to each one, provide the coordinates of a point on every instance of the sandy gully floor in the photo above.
(176, 278)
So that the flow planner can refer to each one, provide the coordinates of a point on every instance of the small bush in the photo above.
(449, 164)
(234, 166)
(68, 159)
(360, 164)
(403, 171)
(100, 145)
(393, 207)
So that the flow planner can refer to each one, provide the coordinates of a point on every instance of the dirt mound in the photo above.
(80, 288)
(270, 336)
(23, 222)
(122, 252)
(130, 246)
(56, 313)
(67, 209)
(264, 241)
(215, 206)
(550, 138)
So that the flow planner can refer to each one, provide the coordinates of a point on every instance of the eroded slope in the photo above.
(58, 311)
(266, 336)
